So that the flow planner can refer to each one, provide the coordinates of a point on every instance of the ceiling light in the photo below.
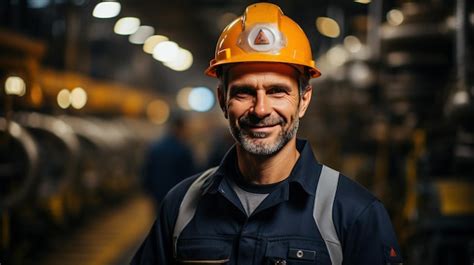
(106, 10)
(328, 27)
(143, 33)
(152, 41)
(127, 25)
(362, 1)
(166, 51)
(182, 61)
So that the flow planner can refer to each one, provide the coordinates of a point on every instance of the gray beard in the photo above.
(246, 139)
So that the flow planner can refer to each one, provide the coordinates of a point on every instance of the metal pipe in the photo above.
(373, 29)
(461, 43)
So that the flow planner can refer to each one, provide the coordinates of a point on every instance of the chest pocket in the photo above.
(203, 251)
(296, 251)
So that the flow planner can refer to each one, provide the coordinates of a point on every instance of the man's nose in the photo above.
(262, 106)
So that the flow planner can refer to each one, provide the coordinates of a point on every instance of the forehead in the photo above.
(263, 72)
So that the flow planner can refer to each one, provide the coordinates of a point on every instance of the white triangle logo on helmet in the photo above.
(262, 38)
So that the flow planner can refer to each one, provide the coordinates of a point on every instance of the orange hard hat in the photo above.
(263, 34)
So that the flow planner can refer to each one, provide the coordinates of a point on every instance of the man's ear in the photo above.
(305, 100)
(221, 97)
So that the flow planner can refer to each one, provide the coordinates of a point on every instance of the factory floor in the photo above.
(110, 238)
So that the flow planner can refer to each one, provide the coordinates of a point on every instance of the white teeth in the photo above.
(258, 134)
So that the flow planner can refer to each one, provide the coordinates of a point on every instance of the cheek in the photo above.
(287, 108)
(237, 108)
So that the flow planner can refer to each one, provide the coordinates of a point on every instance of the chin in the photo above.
(261, 146)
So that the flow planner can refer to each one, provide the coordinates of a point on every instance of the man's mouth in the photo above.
(259, 131)
(259, 126)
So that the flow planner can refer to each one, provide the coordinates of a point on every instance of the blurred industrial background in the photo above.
(87, 85)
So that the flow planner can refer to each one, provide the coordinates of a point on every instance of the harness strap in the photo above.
(188, 206)
(322, 212)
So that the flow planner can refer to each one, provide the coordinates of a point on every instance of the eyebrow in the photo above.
(284, 86)
(236, 88)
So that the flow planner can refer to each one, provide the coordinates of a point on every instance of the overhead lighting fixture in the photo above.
(14, 85)
(127, 25)
(328, 27)
(106, 9)
(166, 51)
(151, 42)
(362, 1)
(182, 61)
(395, 17)
(143, 33)
(64, 98)
(78, 98)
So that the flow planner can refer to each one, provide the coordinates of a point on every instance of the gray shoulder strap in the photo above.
(188, 206)
(322, 212)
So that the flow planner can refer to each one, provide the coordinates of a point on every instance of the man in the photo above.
(168, 160)
(269, 201)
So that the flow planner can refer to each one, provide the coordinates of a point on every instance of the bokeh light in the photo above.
(201, 99)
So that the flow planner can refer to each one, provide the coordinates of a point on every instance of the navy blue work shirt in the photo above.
(281, 229)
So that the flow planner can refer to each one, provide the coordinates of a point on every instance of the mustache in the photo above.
(254, 121)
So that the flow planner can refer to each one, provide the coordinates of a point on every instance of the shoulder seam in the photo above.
(362, 212)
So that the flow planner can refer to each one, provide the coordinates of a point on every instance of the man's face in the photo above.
(263, 105)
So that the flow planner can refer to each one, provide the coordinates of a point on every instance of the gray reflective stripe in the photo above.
(188, 206)
(322, 212)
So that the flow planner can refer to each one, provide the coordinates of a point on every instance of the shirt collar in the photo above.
(307, 169)
(305, 173)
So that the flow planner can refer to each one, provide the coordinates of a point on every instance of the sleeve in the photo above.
(371, 239)
(157, 247)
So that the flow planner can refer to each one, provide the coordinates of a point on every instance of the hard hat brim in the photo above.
(212, 69)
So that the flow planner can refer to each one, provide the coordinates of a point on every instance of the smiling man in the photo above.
(269, 201)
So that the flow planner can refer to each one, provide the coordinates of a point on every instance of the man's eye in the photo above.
(241, 92)
(277, 90)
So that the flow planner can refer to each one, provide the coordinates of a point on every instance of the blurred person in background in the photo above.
(221, 142)
(269, 201)
(168, 160)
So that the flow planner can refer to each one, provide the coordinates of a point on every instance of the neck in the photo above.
(259, 169)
